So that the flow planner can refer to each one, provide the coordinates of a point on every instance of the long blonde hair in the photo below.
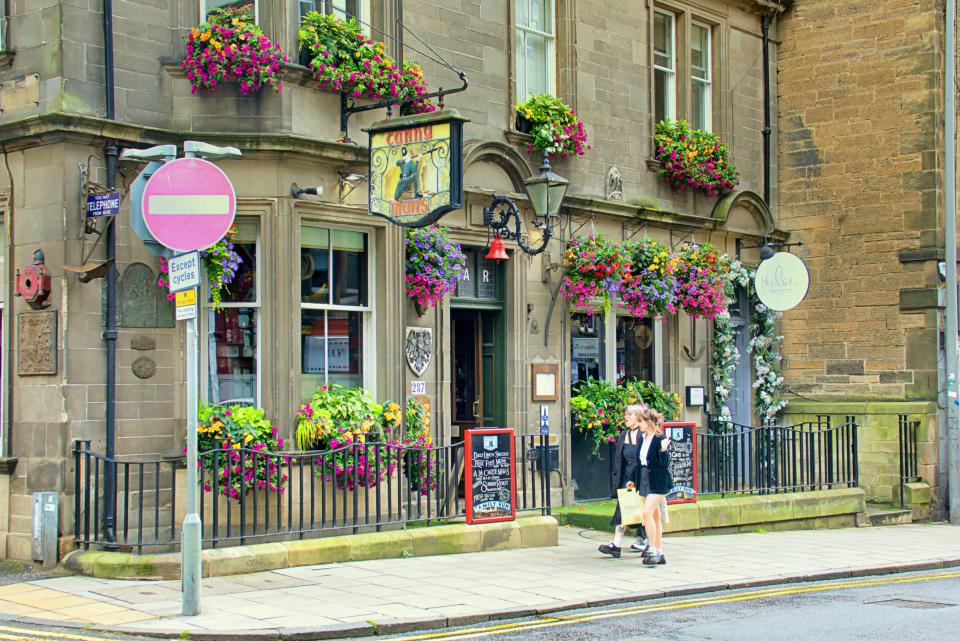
(648, 414)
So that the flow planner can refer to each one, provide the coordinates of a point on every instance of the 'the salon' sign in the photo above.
(416, 167)
(782, 281)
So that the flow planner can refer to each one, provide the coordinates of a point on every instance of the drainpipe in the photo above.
(110, 331)
(950, 232)
(765, 27)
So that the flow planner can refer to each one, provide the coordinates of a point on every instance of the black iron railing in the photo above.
(909, 461)
(770, 459)
(250, 496)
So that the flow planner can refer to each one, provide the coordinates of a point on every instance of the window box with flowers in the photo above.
(230, 46)
(345, 60)
(693, 159)
(555, 128)
(434, 264)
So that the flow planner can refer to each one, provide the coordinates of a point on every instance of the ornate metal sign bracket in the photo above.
(348, 105)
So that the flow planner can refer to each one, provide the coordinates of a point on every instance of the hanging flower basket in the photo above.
(592, 269)
(220, 262)
(434, 265)
(648, 286)
(694, 159)
(555, 128)
(344, 60)
(230, 46)
(700, 275)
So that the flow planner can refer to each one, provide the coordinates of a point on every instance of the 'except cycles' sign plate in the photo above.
(188, 204)
(183, 272)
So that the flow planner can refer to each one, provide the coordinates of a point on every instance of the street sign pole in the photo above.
(192, 533)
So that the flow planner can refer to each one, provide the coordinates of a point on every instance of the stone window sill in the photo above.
(514, 137)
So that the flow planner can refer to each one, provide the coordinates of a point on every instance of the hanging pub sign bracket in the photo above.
(416, 167)
(348, 106)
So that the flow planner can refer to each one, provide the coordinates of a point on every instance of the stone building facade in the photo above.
(598, 58)
(861, 185)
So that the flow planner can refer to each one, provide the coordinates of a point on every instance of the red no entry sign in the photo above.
(189, 204)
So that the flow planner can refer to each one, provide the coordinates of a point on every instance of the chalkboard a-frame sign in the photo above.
(491, 481)
(683, 461)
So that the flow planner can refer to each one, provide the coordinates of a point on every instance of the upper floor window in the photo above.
(701, 86)
(208, 6)
(664, 66)
(535, 51)
(343, 9)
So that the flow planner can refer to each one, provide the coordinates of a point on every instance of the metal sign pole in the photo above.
(191, 541)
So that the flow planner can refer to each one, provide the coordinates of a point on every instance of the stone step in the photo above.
(876, 517)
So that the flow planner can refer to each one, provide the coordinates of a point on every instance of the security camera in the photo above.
(942, 271)
(296, 191)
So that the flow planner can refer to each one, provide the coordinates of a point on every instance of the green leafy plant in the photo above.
(693, 159)
(235, 444)
(343, 59)
(357, 431)
(598, 406)
(555, 128)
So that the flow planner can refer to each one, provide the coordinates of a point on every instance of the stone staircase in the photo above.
(878, 515)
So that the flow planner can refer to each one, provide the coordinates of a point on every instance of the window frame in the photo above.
(608, 361)
(367, 312)
(708, 69)
(326, 7)
(520, 35)
(203, 10)
(256, 304)
(670, 111)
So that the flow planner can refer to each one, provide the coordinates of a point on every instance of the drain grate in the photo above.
(913, 605)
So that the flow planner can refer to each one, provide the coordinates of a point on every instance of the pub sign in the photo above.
(416, 167)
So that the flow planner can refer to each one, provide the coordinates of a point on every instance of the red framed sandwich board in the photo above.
(683, 461)
(490, 485)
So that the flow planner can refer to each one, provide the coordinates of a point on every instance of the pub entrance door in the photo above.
(478, 386)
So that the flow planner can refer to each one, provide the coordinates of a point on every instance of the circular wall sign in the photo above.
(188, 204)
(782, 281)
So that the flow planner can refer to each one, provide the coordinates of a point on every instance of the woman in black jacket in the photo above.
(627, 471)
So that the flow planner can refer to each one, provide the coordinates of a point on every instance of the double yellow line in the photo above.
(557, 621)
(8, 633)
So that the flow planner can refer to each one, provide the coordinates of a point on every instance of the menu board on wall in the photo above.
(683, 461)
(491, 482)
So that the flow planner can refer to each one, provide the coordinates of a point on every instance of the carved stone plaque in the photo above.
(37, 343)
(144, 367)
(614, 184)
(419, 348)
(141, 302)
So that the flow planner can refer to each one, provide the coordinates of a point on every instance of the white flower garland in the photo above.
(764, 346)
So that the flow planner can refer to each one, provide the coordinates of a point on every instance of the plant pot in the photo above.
(305, 57)
(523, 125)
(421, 310)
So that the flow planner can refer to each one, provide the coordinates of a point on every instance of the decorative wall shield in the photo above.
(419, 348)
(416, 167)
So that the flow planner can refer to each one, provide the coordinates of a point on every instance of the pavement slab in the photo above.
(420, 592)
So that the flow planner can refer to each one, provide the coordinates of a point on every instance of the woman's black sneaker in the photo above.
(611, 549)
(655, 560)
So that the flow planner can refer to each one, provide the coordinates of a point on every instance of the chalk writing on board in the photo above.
(683, 461)
(491, 475)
